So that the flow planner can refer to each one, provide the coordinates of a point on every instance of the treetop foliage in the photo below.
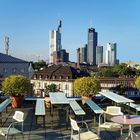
(16, 85)
(86, 86)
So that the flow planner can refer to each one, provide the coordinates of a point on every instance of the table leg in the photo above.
(131, 133)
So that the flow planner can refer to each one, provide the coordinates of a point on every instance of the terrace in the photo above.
(57, 127)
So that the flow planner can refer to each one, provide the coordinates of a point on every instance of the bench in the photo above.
(4, 105)
(94, 107)
(40, 110)
(76, 108)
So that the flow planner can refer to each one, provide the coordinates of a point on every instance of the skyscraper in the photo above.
(55, 43)
(82, 54)
(111, 54)
(91, 48)
(99, 54)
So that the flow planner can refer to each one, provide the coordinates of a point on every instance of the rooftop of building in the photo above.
(4, 58)
(63, 71)
(56, 127)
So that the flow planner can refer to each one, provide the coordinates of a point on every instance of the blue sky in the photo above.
(27, 23)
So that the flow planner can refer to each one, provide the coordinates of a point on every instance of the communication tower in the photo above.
(6, 44)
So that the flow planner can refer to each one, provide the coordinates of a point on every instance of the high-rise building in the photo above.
(82, 54)
(111, 54)
(78, 56)
(99, 54)
(55, 42)
(62, 56)
(92, 44)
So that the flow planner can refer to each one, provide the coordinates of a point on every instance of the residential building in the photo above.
(111, 54)
(109, 83)
(61, 75)
(10, 65)
(91, 47)
(99, 55)
(55, 43)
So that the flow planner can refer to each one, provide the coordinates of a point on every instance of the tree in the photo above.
(106, 72)
(38, 65)
(122, 70)
(138, 72)
(86, 86)
(51, 88)
(137, 82)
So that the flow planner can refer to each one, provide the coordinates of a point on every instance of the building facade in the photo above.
(61, 75)
(99, 55)
(10, 65)
(55, 43)
(111, 54)
(82, 54)
(62, 56)
(92, 44)
(109, 83)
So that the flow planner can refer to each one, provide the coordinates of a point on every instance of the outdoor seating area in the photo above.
(61, 121)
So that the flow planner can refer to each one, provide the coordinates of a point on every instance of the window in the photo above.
(67, 77)
(66, 87)
(5, 70)
(54, 77)
(22, 70)
(61, 77)
(13, 70)
(45, 84)
(35, 76)
(47, 76)
(40, 77)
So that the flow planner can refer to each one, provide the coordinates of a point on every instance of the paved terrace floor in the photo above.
(56, 127)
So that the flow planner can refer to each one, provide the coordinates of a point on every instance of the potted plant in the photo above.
(87, 87)
(16, 86)
(49, 88)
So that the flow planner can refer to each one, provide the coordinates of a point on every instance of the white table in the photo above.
(133, 119)
(58, 98)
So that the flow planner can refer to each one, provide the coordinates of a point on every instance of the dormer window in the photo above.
(35, 76)
(47, 76)
(40, 77)
(67, 77)
(54, 77)
(61, 77)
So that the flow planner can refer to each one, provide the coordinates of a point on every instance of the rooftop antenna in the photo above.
(59, 23)
(6, 44)
(91, 22)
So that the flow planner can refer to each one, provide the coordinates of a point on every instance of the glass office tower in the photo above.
(92, 44)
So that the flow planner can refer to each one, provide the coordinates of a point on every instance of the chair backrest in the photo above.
(18, 116)
(74, 125)
(113, 110)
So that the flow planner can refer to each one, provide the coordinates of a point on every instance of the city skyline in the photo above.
(27, 24)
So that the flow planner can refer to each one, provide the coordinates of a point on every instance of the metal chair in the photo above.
(16, 127)
(81, 135)
(112, 111)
